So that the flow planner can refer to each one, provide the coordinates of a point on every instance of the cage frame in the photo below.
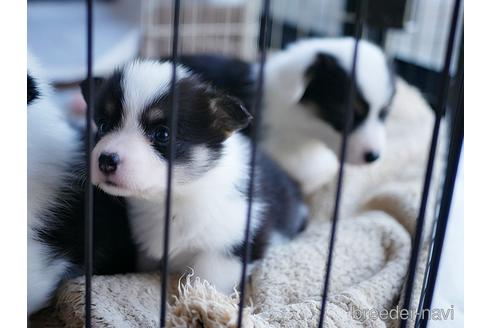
(454, 153)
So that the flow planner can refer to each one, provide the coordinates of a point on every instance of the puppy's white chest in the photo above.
(204, 224)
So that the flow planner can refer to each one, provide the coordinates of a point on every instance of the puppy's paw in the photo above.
(308, 161)
(222, 271)
(318, 165)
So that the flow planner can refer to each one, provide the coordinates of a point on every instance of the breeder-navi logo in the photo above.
(436, 314)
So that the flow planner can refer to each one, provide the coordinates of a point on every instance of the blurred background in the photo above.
(413, 32)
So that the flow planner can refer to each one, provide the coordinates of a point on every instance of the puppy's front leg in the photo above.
(308, 161)
(221, 270)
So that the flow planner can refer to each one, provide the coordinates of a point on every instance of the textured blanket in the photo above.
(377, 217)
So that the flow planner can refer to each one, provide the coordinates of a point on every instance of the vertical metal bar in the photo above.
(89, 199)
(440, 110)
(429, 253)
(442, 219)
(256, 112)
(349, 113)
(170, 160)
(456, 94)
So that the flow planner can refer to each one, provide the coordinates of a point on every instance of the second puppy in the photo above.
(211, 172)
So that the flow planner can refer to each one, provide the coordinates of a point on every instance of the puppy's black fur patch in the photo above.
(108, 102)
(64, 231)
(205, 117)
(328, 90)
(233, 76)
(284, 211)
(32, 89)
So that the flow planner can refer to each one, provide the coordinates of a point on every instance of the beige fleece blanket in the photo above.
(378, 211)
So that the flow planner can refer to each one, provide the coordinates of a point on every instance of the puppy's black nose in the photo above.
(108, 162)
(371, 156)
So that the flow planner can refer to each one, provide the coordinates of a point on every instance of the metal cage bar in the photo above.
(456, 93)
(256, 112)
(361, 13)
(453, 161)
(89, 197)
(171, 153)
(440, 111)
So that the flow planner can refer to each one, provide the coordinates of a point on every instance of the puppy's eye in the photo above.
(102, 127)
(383, 114)
(160, 135)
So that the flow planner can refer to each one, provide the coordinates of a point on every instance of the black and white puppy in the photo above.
(55, 203)
(308, 85)
(210, 177)
(307, 88)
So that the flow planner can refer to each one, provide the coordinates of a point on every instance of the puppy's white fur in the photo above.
(51, 144)
(289, 121)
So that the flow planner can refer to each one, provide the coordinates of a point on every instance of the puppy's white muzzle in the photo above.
(367, 143)
(124, 163)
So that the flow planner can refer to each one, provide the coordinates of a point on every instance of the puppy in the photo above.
(210, 177)
(55, 203)
(307, 89)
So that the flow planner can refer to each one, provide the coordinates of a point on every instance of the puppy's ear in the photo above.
(322, 61)
(84, 86)
(326, 80)
(230, 115)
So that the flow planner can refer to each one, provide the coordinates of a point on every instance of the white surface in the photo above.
(57, 36)
(449, 290)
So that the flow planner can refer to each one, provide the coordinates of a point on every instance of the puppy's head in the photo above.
(132, 115)
(327, 92)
